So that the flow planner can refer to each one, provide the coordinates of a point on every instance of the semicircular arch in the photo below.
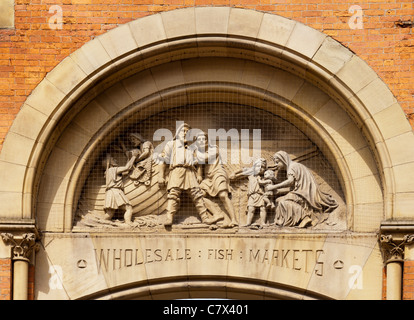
(322, 67)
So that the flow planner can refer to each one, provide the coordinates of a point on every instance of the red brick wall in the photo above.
(31, 280)
(408, 280)
(5, 279)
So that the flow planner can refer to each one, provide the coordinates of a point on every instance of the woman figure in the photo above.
(305, 204)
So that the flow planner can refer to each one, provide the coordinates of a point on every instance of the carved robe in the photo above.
(305, 198)
(114, 194)
(255, 193)
(181, 162)
(216, 179)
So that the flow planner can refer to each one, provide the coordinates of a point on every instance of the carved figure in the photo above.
(213, 178)
(181, 162)
(304, 204)
(115, 197)
(142, 170)
(268, 179)
(255, 193)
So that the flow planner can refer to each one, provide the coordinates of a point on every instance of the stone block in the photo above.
(91, 56)
(397, 148)
(376, 96)
(356, 74)
(404, 181)
(332, 116)
(257, 75)
(392, 121)
(171, 260)
(45, 98)
(340, 265)
(367, 217)
(403, 205)
(361, 163)
(285, 84)
(115, 99)
(11, 177)
(11, 205)
(349, 138)
(276, 29)
(310, 98)
(148, 30)
(167, 76)
(26, 115)
(296, 260)
(59, 75)
(212, 20)
(72, 275)
(304, 40)
(140, 85)
(215, 259)
(60, 163)
(368, 190)
(7, 14)
(118, 41)
(179, 23)
(244, 23)
(332, 55)
(212, 69)
(17, 149)
(91, 118)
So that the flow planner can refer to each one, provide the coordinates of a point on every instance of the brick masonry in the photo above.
(33, 48)
(408, 280)
(5, 279)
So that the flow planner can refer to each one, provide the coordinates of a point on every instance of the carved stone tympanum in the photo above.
(193, 179)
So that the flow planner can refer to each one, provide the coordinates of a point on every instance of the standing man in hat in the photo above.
(181, 162)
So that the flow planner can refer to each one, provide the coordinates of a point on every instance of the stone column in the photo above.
(393, 254)
(21, 251)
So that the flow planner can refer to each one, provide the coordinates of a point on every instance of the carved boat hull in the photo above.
(145, 199)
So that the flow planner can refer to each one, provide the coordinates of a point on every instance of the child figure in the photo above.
(268, 179)
(115, 197)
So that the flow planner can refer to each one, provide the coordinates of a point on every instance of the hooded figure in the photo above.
(305, 203)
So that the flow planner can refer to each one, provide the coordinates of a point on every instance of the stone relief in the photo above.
(195, 170)
(186, 183)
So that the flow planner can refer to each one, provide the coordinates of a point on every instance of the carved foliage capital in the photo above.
(393, 249)
(22, 245)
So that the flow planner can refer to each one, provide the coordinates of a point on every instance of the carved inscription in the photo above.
(301, 260)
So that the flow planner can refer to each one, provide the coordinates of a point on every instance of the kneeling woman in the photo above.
(305, 204)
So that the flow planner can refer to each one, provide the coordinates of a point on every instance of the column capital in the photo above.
(393, 248)
(22, 245)
(394, 236)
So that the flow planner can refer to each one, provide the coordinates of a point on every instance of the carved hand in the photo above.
(135, 152)
(161, 182)
(199, 178)
(271, 187)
